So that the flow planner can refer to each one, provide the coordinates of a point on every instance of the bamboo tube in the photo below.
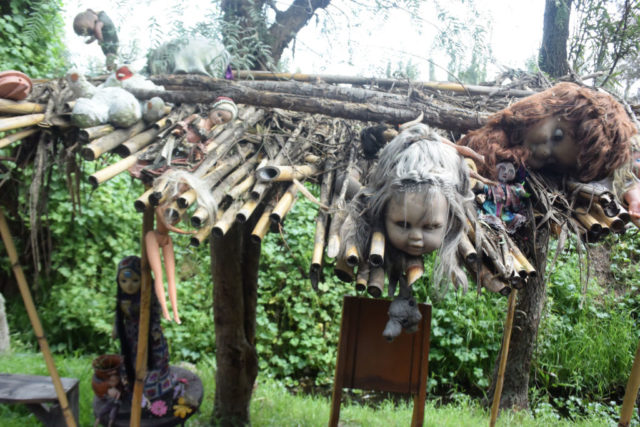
(285, 173)
(108, 142)
(338, 203)
(351, 256)
(10, 139)
(234, 178)
(242, 187)
(376, 252)
(517, 265)
(589, 222)
(504, 354)
(246, 210)
(187, 198)
(614, 223)
(322, 218)
(467, 251)
(20, 122)
(472, 167)
(631, 391)
(342, 270)
(362, 277)
(375, 286)
(226, 221)
(35, 320)
(623, 214)
(174, 211)
(69, 105)
(262, 226)
(142, 202)
(414, 269)
(137, 142)
(14, 107)
(112, 170)
(203, 233)
(199, 217)
(88, 134)
(517, 254)
(284, 205)
(143, 323)
(312, 158)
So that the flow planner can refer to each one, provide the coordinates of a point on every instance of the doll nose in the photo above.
(543, 151)
(415, 235)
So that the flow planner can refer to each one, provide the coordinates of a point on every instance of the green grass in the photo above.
(273, 405)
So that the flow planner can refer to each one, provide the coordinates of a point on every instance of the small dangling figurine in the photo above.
(504, 200)
(157, 240)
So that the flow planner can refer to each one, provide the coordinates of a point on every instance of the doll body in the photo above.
(222, 111)
(504, 200)
(159, 240)
(98, 26)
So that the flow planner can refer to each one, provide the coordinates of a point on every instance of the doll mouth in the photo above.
(414, 249)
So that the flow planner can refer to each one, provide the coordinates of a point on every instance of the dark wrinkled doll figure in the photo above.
(98, 26)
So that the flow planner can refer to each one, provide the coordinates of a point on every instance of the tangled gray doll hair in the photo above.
(417, 161)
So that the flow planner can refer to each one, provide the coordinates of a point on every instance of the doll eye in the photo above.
(558, 135)
(403, 224)
(431, 227)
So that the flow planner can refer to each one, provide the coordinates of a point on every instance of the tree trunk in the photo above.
(553, 52)
(515, 392)
(234, 268)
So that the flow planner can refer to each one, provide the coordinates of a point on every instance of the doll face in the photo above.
(551, 143)
(219, 117)
(416, 222)
(85, 23)
(506, 172)
(129, 281)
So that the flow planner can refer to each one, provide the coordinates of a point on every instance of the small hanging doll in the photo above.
(504, 200)
(157, 240)
(417, 195)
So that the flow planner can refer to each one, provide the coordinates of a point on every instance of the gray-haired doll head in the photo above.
(420, 186)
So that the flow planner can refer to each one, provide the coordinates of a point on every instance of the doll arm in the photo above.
(163, 225)
(632, 197)
(97, 30)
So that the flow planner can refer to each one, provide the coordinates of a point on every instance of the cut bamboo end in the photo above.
(285, 173)
(258, 190)
(8, 106)
(225, 222)
(491, 282)
(615, 224)
(202, 234)
(467, 251)
(282, 207)
(343, 271)
(376, 252)
(588, 221)
(623, 214)
(199, 217)
(242, 187)
(174, 212)
(108, 142)
(375, 286)
(20, 122)
(112, 170)
(352, 257)
(518, 268)
(246, 211)
(10, 139)
(362, 278)
(187, 198)
(262, 227)
(318, 251)
(333, 247)
(88, 134)
(531, 272)
(142, 202)
(414, 269)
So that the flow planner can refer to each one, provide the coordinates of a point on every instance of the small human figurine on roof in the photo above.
(505, 199)
(98, 26)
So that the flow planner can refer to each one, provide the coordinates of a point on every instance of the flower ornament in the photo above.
(181, 409)
(158, 408)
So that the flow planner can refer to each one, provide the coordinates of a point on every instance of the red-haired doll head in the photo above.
(567, 127)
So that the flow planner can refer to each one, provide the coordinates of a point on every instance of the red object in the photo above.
(123, 73)
(14, 85)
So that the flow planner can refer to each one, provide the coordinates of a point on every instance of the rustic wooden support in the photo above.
(108, 142)
(20, 107)
(32, 313)
(20, 122)
(10, 139)
(504, 354)
(631, 391)
(88, 134)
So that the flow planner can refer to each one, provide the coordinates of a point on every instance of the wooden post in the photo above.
(143, 329)
(631, 391)
(35, 320)
(504, 354)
